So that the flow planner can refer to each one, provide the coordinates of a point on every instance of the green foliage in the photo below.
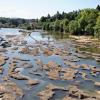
(86, 20)
(16, 22)
(98, 8)
(73, 27)
(29, 28)
(82, 22)
(65, 23)
(57, 25)
(97, 27)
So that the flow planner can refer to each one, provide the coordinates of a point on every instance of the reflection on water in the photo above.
(59, 35)
(9, 31)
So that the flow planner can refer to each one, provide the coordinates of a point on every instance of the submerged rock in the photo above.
(14, 48)
(20, 59)
(26, 65)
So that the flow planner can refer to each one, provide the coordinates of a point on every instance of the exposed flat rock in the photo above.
(32, 82)
(18, 76)
(68, 73)
(69, 98)
(48, 52)
(10, 91)
(48, 92)
(97, 83)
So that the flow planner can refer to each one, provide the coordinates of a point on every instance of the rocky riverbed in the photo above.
(35, 68)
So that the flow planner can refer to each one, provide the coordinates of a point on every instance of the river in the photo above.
(31, 93)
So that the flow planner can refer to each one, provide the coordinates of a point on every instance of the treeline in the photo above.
(17, 22)
(82, 22)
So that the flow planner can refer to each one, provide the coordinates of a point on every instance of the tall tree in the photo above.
(57, 25)
(98, 8)
(97, 27)
(74, 27)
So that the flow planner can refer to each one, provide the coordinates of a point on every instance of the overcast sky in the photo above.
(37, 8)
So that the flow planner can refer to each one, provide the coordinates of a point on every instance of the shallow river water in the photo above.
(31, 92)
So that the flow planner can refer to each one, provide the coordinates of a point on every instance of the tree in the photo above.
(61, 26)
(98, 8)
(43, 19)
(87, 20)
(58, 15)
(57, 25)
(64, 25)
(28, 28)
(66, 22)
(48, 17)
(77, 22)
(46, 26)
(74, 27)
(97, 27)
